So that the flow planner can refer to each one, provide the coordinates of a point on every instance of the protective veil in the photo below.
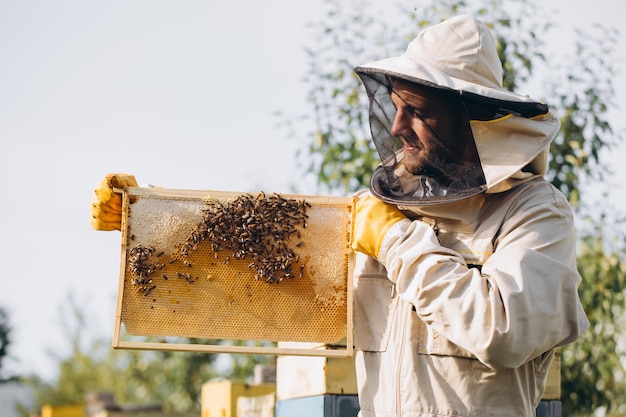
(458, 59)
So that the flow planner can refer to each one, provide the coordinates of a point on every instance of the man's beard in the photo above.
(429, 163)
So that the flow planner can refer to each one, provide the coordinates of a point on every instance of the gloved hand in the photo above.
(106, 204)
(373, 218)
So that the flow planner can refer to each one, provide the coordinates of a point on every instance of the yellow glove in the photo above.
(106, 204)
(373, 218)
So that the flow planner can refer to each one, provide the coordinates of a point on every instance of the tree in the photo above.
(5, 330)
(579, 89)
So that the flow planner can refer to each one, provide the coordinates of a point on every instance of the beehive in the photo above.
(225, 398)
(211, 294)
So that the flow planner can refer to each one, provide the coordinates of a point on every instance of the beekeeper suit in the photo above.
(466, 277)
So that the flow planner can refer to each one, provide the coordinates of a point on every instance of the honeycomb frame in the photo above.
(216, 299)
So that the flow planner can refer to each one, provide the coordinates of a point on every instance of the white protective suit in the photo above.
(462, 310)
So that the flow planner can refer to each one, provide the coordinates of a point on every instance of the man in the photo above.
(466, 276)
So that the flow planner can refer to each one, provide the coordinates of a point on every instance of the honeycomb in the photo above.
(203, 293)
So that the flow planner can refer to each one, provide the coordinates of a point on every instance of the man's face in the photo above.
(434, 129)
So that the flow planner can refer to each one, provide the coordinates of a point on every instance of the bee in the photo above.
(187, 277)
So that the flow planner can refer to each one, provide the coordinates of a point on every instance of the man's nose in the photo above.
(401, 122)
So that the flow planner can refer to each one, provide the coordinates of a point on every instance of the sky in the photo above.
(180, 94)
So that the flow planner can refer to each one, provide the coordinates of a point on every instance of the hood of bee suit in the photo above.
(512, 132)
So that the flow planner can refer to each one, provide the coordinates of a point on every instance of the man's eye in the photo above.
(420, 114)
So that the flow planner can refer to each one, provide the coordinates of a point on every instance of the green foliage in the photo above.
(578, 89)
(583, 92)
(593, 369)
(172, 379)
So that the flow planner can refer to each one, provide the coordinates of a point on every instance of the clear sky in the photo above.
(181, 94)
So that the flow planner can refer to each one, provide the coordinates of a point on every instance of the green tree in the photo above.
(579, 89)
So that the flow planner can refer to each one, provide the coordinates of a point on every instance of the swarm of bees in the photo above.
(253, 227)
(143, 267)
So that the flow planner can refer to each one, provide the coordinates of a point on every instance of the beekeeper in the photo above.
(466, 277)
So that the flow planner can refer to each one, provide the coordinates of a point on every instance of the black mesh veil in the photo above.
(392, 181)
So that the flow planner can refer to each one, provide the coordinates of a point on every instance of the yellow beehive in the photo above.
(219, 398)
(62, 411)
